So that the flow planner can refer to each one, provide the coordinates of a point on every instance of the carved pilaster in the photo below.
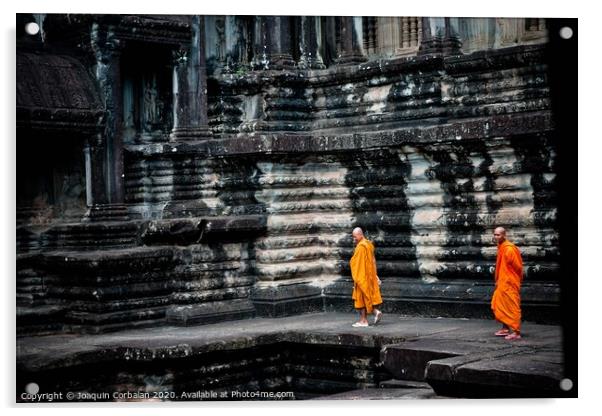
(260, 56)
(111, 85)
(477, 33)
(507, 32)
(451, 43)
(96, 186)
(273, 46)
(429, 41)
(104, 151)
(190, 87)
(329, 27)
(181, 92)
(440, 35)
(310, 55)
(237, 42)
(198, 83)
(215, 46)
(351, 43)
(388, 40)
(279, 31)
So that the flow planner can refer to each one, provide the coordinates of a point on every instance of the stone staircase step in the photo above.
(502, 373)
(479, 364)
(38, 314)
(408, 361)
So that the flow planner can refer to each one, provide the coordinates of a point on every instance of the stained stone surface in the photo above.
(214, 170)
(313, 355)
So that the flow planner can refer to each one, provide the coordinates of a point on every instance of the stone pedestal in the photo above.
(286, 299)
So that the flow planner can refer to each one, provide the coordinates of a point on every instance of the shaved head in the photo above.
(357, 235)
(499, 235)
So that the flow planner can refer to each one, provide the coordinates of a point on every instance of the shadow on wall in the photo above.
(377, 183)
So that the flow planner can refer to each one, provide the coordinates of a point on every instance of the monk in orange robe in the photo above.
(366, 290)
(508, 278)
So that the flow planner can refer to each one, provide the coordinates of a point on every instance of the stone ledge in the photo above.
(487, 361)
(503, 373)
(210, 312)
(287, 299)
(450, 298)
(410, 360)
(452, 131)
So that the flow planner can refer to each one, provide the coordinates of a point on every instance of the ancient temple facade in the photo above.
(183, 170)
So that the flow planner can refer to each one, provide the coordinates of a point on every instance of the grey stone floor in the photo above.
(460, 351)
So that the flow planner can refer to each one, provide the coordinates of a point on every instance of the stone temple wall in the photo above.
(427, 153)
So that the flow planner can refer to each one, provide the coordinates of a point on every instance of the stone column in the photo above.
(279, 33)
(273, 43)
(427, 44)
(476, 33)
(94, 153)
(236, 43)
(328, 24)
(113, 93)
(215, 42)
(104, 155)
(388, 35)
(260, 48)
(190, 87)
(351, 41)
(508, 31)
(451, 42)
(310, 43)
(226, 43)
(440, 35)
(181, 93)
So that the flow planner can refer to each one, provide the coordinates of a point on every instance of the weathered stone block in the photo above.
(502, 373)
(287, 299)
(408, 361)
(210, 312)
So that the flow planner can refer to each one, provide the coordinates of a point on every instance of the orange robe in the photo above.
(508, 278)
(366, 292)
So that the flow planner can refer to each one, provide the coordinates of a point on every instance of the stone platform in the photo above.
(318, 355)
